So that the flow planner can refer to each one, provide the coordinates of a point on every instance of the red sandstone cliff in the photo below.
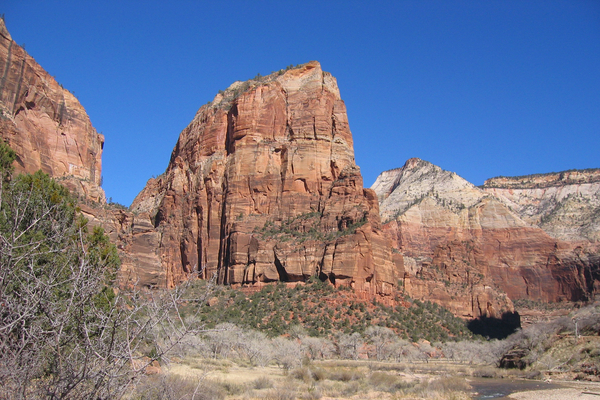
(467, 250)
(45, 124)
(262, 186)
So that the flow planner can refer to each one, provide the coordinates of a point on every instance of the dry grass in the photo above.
(327, 380)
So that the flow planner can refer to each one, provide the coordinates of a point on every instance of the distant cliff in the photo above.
(471, 250)
(566, 205)
(45, 124)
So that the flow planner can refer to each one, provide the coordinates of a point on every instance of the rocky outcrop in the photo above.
(466, 249)
(45, 124)
(262, 186)
(565, 204)
(136, 239)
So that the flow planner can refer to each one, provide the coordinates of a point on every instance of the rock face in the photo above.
(45, 124)
(262, 186)
(564, 204)
(465, 248)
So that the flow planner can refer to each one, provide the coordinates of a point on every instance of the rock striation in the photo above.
(262, 186)
(467, 249)
(45, 124)
(564, 204)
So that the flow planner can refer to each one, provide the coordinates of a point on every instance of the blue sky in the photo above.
(482, 88)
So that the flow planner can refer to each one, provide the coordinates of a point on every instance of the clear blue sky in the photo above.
(482, 88)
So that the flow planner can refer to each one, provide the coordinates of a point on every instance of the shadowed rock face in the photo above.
(465, 248)
(45, 124)
(262, 186)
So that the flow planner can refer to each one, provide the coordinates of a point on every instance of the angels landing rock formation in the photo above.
(466, 248)
(262, 186)
(45, 124)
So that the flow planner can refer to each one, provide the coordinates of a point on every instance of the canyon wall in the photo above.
(464, 247)
(45, 124)
(262, 186)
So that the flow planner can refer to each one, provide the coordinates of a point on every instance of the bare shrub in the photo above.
(388, 382)
(287, 353)
(281, 394)
(345, 375)
(449, 384)
(312, 393)
(304, 374)
(444, 388)
(476, 352)
(255, 347)
(351, 389)
(174, 387)
(222, 340)
(262, 383)
(64, 331)
(485, 372)
(317, 348)
(349, 345)
(319, 374)
(382, 340)
(588, 319)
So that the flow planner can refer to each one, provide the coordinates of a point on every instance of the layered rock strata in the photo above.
(564, 204)
(465, 248)
(45, 124)
(262, 186)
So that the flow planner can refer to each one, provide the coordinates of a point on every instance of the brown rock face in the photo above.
(262, 186)
(45, 124)
(466, 249)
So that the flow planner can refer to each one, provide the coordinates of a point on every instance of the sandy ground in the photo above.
(579, 391)
(555, 394)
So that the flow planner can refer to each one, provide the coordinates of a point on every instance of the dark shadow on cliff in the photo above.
(496, 328)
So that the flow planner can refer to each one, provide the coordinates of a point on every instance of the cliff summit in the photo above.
(262, 186)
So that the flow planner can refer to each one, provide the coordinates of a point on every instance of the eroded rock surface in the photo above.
(45, 124)
(467, 249)
(262, 186)
(564, 204)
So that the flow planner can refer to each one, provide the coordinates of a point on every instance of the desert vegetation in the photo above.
(307, 226)
(239, 88)
(323, 310)
(567, 347)
(65, 330)
(230, 362)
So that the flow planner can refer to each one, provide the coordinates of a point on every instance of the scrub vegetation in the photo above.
(322, 311)
(65, 331)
